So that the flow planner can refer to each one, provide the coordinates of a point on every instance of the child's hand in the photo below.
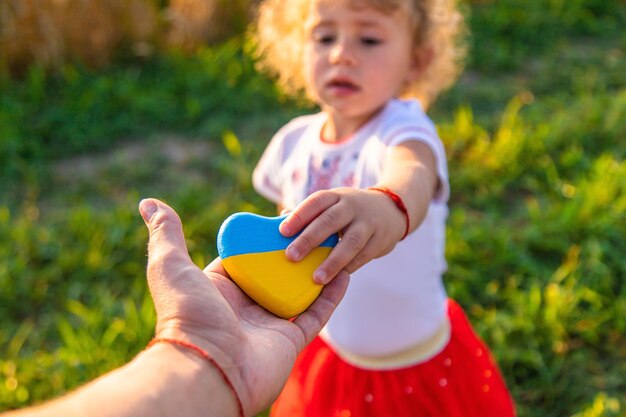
(369, 222)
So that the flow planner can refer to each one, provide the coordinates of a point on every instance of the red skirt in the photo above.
(460, 381)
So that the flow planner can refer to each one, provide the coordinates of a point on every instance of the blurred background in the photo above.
(105, 102)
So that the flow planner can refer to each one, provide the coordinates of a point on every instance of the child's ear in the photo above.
(422, 58)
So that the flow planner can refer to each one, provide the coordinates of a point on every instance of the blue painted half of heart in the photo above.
(252, 233)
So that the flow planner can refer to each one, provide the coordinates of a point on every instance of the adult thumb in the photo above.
(166, 244)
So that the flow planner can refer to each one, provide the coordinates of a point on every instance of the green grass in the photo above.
(537, 216)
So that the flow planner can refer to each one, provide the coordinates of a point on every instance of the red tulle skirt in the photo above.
(460, 381)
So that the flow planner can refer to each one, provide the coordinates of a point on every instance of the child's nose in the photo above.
(342, 54)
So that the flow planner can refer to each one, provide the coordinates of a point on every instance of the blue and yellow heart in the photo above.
(253, 253)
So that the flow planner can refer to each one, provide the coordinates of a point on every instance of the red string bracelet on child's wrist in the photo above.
(205, 355)
(399, 203)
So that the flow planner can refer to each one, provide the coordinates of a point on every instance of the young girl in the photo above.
(371, 166)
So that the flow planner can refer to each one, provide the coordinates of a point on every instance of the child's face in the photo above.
(357, 58)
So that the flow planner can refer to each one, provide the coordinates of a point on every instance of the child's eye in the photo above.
(370, 41)
(323, 37)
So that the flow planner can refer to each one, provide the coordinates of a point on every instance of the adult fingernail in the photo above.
(147, 208)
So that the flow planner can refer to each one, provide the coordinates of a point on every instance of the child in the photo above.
(371, 166)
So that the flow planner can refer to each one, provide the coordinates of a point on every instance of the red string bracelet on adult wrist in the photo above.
(399, 203)
(204, 354)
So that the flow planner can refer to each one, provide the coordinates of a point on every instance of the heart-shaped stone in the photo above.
(253, 253)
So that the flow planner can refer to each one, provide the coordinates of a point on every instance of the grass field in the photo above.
(535, 133)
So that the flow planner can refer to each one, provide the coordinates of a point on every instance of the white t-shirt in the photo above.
(395, 301)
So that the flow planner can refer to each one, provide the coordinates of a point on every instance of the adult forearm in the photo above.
(164, 380)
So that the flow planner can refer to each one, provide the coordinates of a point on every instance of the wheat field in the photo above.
(50, 33)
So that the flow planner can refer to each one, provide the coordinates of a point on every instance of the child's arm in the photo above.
(370, 222)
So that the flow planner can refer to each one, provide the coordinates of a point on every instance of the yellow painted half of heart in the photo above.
(283, 287)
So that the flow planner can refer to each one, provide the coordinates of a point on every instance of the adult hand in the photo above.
(255, 348)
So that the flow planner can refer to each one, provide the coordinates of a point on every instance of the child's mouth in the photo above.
(342, 86)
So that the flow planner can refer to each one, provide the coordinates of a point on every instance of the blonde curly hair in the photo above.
(438, 27)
